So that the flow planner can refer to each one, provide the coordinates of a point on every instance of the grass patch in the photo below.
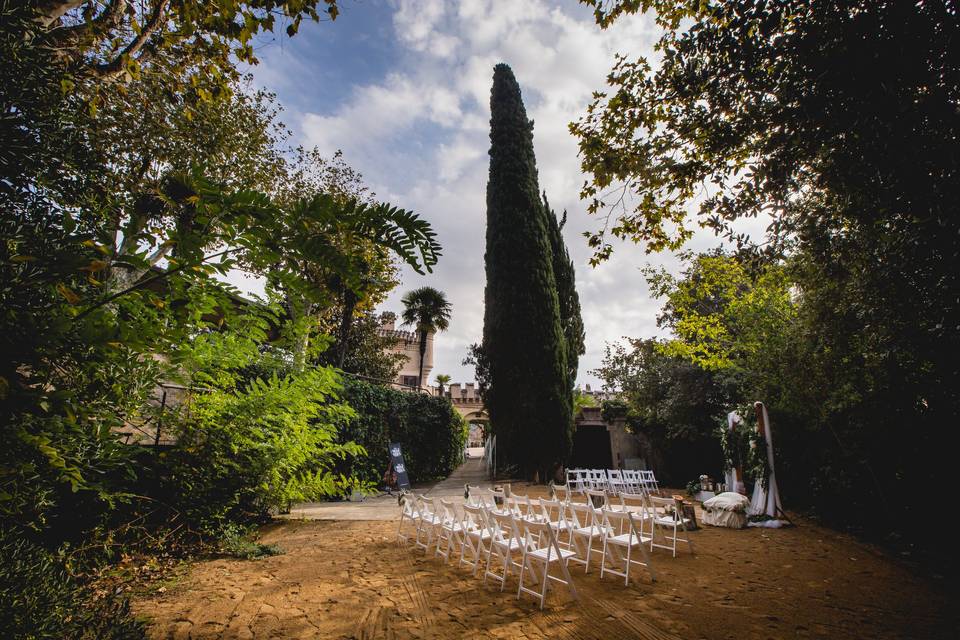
(240, 542)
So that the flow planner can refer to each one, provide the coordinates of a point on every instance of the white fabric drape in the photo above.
(731, 478)
(766, 497)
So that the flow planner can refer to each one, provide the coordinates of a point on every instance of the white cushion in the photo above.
(727, 501)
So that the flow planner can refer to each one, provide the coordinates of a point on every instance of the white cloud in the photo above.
(420, 137)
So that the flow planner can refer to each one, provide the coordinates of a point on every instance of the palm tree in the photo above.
(427, 309)
(442, 380)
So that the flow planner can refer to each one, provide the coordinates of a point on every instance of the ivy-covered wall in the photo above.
(431, 432)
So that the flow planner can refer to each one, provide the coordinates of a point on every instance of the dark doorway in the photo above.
(591, 448)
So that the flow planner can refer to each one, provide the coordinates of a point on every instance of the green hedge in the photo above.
(40, 600)
(433, 435)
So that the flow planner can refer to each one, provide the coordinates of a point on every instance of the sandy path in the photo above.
(351, 580)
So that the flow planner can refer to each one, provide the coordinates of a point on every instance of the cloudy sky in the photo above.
(402, 87)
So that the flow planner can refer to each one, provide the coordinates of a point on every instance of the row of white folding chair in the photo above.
(613, 480)
(585, 524)
(659, 515)
(633, 481)
(637, 522)
(617, 530)
(580, 480)
(482, 532)
(431, 520)
(646, 480)
(536, 540)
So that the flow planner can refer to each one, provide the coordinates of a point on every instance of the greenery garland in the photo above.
(744, 444)
(734, 443)
(758, 465)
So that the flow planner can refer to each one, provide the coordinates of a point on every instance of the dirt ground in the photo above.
(352, 580)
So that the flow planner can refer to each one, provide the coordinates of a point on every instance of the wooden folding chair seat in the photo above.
(632, 541)
(539, 551)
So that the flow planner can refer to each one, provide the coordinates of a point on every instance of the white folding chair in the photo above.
(554, 513)
(615, 480)
(584, 529)
(429, 522)
(484, 498)
(635, 502)
(449, 533)
(650, 484)
(410, 513)
(592, 480)
(474, 494)
(505, 542)
(668, 519)
(539, 550)
(476, 537)
(574, 482)
(520, 505)
(561, 492)
(597, 497)
(632, 540)
(632, 479)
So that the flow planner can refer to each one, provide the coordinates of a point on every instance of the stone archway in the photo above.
(478, 423)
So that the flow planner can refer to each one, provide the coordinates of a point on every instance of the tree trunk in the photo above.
(423, 350)
(346, 323)
(297, 313)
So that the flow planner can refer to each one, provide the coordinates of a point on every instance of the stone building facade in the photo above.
(407, 344)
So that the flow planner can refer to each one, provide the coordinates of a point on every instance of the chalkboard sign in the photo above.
(399, 467)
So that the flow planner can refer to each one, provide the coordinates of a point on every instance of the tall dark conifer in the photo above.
(571, 322)
(523, 343)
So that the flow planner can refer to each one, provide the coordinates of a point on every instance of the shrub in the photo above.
(244, 452)
(429, 429)
(40, 599)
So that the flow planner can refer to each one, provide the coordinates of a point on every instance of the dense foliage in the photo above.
(672, 403)
(114, 40)
(526, 390)
(39, 599)
(137, 170)
(431, 432)
(247, 446)
(568, 299)
(839, 123)
(742, 334)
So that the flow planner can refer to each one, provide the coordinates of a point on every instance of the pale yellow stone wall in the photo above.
(407, 344)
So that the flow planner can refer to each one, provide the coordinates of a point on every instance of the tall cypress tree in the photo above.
(571, 322)
(523, 343)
